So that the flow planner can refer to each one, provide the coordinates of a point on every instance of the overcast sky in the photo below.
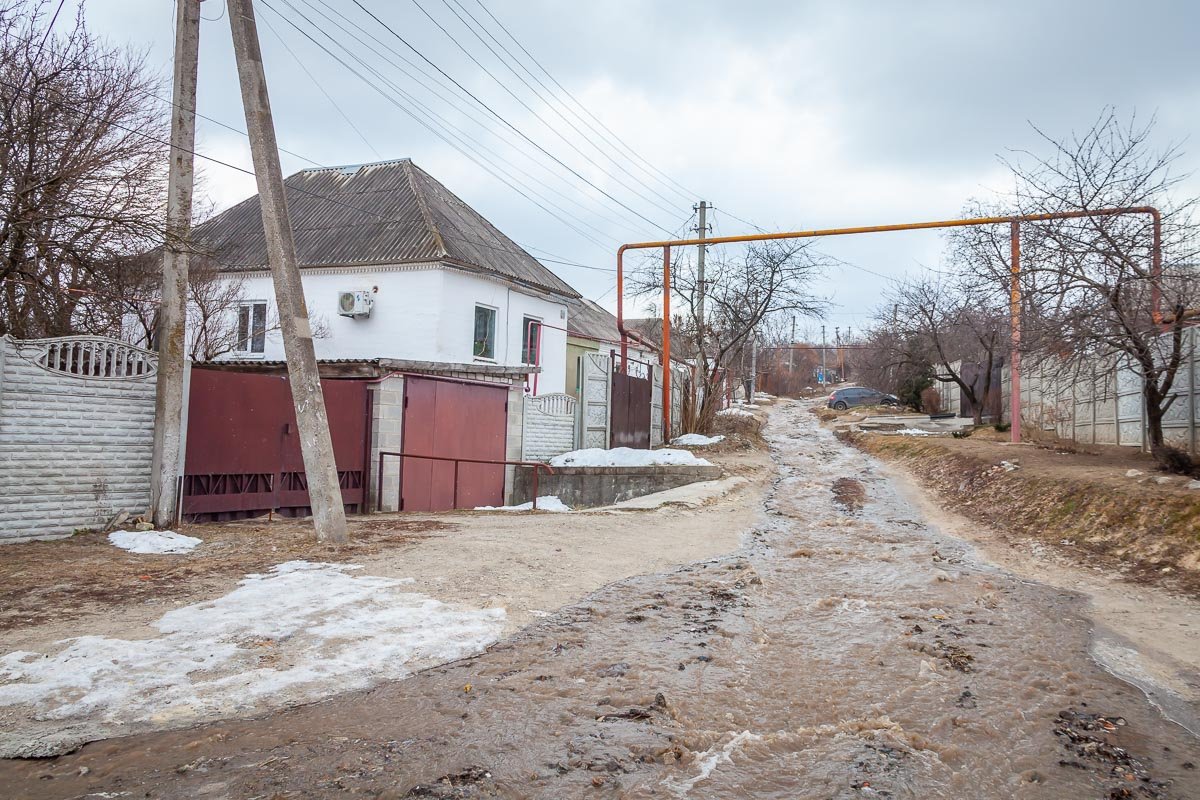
(787, 115)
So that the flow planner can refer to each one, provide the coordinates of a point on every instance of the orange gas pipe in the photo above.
(1015, 298)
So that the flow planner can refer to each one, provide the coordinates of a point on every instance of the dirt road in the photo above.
(847, 650)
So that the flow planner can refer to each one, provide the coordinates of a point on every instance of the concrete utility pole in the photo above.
(312, 423)
(172, 312)
(701, 229)
(824, 374)
(753, 365)
(792, 351)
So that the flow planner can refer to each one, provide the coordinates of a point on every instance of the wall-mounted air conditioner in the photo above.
(355, 304)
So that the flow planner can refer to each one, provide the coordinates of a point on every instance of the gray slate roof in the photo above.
(392, 212)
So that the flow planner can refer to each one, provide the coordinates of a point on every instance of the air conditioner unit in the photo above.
(355, 304)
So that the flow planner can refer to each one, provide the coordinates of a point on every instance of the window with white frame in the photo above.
(485, 332)
(531, 340)
(251, 328)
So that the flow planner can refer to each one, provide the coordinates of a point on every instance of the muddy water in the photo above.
(846, 651)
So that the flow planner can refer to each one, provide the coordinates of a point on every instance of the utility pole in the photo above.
(312, 423)
(172, 312)
(753, 364)
(792, 351)
(701, 230)
(824, 374)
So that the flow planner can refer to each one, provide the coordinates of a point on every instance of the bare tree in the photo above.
(951, 321)
(742, 291)
(214, 298)
(1097, 295)
(82, 172)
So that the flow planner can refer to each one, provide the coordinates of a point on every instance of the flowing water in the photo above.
(847, 650)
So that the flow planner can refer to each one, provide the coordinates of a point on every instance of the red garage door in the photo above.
(243, 455)
(452, 420)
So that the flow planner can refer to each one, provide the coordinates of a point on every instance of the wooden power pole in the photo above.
(172, 313)
(312, 423)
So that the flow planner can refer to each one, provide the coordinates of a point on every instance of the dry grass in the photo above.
(65, 578)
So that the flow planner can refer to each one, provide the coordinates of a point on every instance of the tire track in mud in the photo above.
(840, 653)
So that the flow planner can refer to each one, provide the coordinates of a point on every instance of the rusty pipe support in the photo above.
(666, 348)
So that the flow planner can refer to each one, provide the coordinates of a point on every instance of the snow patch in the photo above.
(300, 632)
(697, 440)
(153, 541)
(549, 502)
(627, 457)
(913, 432)
(733, 412)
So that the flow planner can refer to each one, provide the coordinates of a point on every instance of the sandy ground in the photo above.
(528, 564)
(1146, 635)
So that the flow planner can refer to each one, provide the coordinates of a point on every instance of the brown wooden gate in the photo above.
(631, 405)
(243, 455)
(451, 419)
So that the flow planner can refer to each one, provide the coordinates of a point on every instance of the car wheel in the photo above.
(840, 405)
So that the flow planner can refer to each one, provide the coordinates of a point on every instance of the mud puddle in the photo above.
(834, 656)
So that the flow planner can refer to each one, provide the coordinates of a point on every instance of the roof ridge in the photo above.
(421, 204)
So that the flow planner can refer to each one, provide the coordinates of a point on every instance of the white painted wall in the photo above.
(424, 314)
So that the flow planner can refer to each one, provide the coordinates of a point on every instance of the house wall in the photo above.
(74, 450)
(425, 313)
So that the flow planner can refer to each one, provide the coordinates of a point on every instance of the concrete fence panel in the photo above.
(76, 433)
(549, 426)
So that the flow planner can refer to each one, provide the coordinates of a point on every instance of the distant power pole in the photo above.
(172, 311)
(824, 374)
(753, 364)
(701, 229)
(312, 423)
(792, 351)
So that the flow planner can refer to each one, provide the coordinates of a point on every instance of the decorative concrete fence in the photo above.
(549, 426)
(76, 433)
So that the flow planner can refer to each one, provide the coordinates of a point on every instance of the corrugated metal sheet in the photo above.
(392, 212)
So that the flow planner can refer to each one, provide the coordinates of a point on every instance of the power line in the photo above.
(530, 109)
(482, 165)
(505, 121)
(317, 83)
(458, 132)
(684, 190)
(317, 195)
(586, 137)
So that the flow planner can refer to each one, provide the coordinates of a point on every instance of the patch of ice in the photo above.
(153, 541)
(627, 457)
(549, 502)
(697, 440)
(300, 632)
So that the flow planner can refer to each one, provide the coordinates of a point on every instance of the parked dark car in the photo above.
(841, 399)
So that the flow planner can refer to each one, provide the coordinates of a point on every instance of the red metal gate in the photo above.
(243, 455)
(631, 393)
(452, 420)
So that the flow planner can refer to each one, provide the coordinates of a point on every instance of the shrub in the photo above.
(1173, 460)
(931, 400)
(1003, 427)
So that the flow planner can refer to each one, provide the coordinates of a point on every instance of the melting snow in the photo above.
(733, 412)
(153, 541)
(627, 457)
(302, 631)
(913, 432)
(549, 502)
(697, 440)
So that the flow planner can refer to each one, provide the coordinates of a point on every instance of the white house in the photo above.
(395, 266)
